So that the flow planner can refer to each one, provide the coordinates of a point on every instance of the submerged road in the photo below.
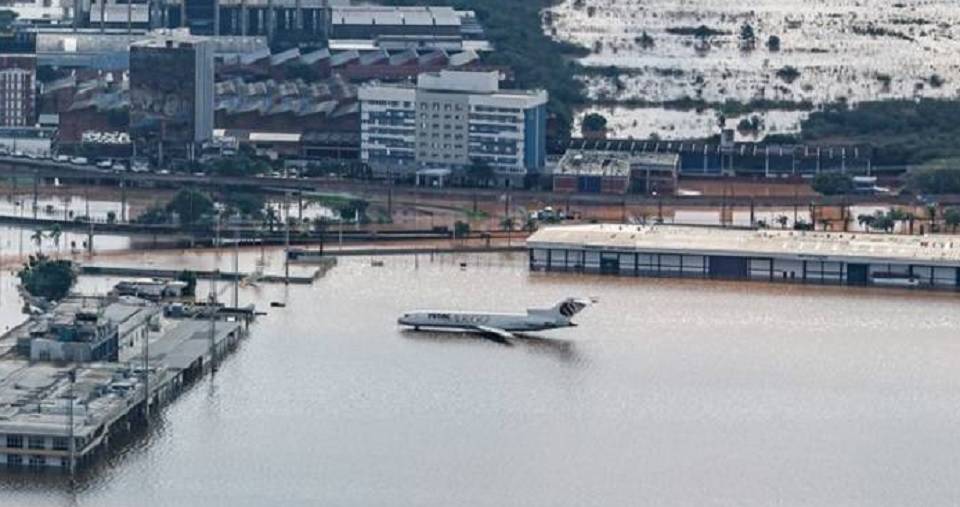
(65, 171)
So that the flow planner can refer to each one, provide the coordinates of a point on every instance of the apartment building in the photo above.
(18, 79)
(453, 120)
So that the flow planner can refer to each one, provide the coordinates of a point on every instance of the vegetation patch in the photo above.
(47, 278)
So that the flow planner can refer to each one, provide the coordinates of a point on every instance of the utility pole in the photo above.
(123, 200)
(213, 321)
(71, 444)
(236, 263)
(286, 240)
(146, 380)
(36, 183)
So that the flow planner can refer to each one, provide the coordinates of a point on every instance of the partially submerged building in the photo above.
(612, 172)
(82, 329)
(931, 261)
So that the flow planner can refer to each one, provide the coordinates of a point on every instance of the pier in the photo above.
(136, 272)
(64, 415)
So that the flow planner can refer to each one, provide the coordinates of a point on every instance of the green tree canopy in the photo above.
(190, 205)
(594, 122)
(832, 183)
(46, 278)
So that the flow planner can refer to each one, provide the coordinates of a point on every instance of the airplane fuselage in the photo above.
(511, 322)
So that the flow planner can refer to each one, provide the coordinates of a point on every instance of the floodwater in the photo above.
(670, 392)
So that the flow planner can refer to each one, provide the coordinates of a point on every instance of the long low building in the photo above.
(931, 261)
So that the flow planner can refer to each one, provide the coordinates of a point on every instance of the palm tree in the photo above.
(782, 220)
(37, 238)
(271, 217)
(55, 233)
(508, 223)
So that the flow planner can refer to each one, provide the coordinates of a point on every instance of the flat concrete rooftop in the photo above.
(941, 250)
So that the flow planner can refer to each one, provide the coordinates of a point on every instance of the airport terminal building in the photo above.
(861, 259)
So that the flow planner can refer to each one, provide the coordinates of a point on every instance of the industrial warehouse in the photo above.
(859, 259)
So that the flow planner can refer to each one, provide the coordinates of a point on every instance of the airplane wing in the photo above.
(505, 335)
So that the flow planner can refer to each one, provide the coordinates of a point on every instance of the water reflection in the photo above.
(562, 350)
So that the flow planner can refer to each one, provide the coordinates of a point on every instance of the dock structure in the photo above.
(170, 274)
(847, 258)
(56, 415)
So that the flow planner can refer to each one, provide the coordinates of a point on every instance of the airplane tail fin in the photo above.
(566, 309)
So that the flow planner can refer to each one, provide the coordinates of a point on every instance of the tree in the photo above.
(7, 18)
(748, 38)
(461, 229)
(898, 215)
(832, 183)
(952, 218)
(271, 217)
(645, 41)
(190, 205)
(46, 278)
(111, 217)
(190, 278)
(480, 173)
(37, 237)
(879, 221)
(354, 208)
(788, 74)
(245, 203)
(782, 220)
(152, 216)
(594, 125)
(773, 43)
(56, 232)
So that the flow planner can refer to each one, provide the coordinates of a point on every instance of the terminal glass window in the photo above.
(36, 443)
(14, 441)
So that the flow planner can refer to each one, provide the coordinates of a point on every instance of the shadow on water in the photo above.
(563, 350)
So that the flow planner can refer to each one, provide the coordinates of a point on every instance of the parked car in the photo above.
(79, 161)
(105, 164)
(63, 158)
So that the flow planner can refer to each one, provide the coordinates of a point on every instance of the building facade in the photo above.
(171, 96)
(453, 120)
(856, 259)
(18, 79)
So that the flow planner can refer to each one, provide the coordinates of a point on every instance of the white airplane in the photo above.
(502, 325)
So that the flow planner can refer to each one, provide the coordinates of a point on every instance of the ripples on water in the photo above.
(670, 392)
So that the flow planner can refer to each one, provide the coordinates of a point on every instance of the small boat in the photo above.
(376, 263)
(278, 304)
(894, 279)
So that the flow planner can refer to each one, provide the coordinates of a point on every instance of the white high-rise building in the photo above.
(453, 120)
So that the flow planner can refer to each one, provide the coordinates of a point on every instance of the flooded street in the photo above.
(670, 392)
